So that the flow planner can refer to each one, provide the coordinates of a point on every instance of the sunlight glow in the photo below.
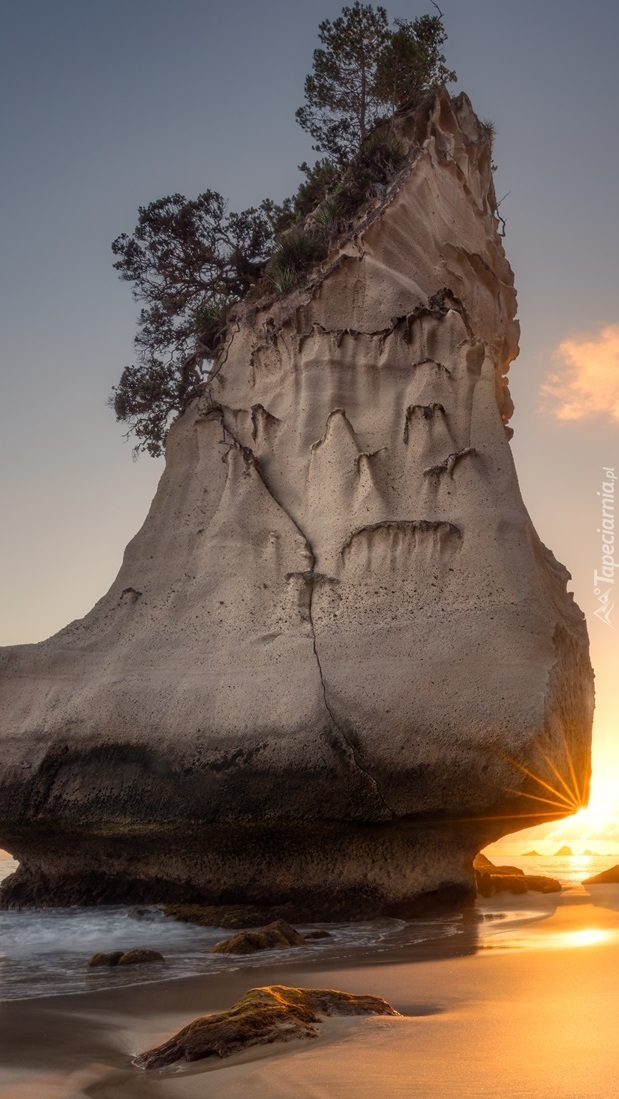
(556, 795)
(587, 936)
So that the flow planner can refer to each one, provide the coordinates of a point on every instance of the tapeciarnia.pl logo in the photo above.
(603, 582)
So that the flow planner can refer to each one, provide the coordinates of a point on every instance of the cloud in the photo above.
(587, 385)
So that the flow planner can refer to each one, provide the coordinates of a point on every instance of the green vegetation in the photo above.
(191, 260)
(365, 71)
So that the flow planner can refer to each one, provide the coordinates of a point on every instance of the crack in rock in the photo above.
(310, 577)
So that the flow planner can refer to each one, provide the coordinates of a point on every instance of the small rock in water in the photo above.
(126, 957)
(541, 884)
(278, 933)
(111, 958)
(264, 1015)
(318, 934)
(491, 879)
(142, 957)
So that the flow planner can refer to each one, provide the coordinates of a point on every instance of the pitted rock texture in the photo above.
(337, 659)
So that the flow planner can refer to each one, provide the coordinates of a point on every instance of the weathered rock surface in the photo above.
(275, 1013)
(337, 660)
(276, 934)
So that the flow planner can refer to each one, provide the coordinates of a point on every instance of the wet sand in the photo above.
(525, 1006)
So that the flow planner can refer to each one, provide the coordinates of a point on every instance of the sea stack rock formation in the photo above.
(337, 660)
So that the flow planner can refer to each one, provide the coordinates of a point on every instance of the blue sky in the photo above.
(106, 105)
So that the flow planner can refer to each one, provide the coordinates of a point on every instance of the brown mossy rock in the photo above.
(509, 883)
(230, 915)
(111, 958)
(275, 1013)
(115, 958)
(491, 879)
(279, 933)
(607, 877)
(142, 957)
(541, 884)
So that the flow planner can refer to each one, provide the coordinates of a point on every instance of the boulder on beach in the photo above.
(276, 934)
(337, 660)
(606, 877)
(275, 1013)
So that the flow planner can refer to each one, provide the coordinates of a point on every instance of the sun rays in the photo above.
(553, 796)
(557, 794)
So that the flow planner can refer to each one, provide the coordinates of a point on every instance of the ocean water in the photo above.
(570, 870)
(45, 952)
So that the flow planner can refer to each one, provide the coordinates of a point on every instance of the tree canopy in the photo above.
(364, 70)
(190, 260)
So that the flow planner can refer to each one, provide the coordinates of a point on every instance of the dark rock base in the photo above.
(302, 872)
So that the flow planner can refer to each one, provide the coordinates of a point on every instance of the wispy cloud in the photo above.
(586, 384)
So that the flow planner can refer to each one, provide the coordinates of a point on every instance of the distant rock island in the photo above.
(337, 660)
(564, 851)
(530, 854)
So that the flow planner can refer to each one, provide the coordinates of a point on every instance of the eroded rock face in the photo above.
(337, 659)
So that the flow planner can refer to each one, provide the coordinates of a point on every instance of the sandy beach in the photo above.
(525, 1005)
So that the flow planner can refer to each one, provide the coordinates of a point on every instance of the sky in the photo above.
(106, 105)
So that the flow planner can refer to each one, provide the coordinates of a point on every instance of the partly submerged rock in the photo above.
(105, 958)
(262, 1016)
(276, 934)
(491, 879)
(606, 877)
(540, 883)
(337, 660)
(141, 957)
(115, 958)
